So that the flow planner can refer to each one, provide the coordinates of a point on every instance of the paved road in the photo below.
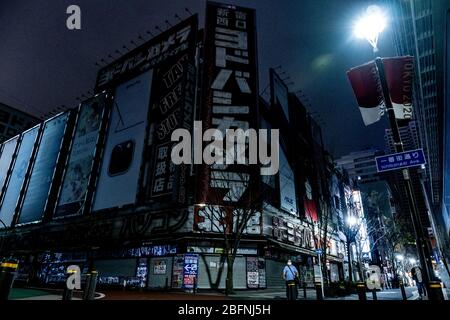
(280, 294)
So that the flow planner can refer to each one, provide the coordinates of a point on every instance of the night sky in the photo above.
(43, 65)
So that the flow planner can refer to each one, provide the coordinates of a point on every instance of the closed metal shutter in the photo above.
(213, 263)
(274, 273)
(159, 270)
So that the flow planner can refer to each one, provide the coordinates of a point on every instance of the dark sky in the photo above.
(44, 65)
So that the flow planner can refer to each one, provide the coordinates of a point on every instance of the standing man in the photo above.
(416, 273)
(290, 275)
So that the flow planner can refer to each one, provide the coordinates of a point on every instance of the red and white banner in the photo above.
(367, 88)
(399, 73)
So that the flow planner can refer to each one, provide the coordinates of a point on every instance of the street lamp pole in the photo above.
(369, 28)
(421, 244)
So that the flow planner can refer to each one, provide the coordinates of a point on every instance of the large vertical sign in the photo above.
(43, 169)
(173, 104)
(288, 200)
(122, 157)
(78, 170)
(18, 174)
(279, 93)
(230, 101)
(6, 155)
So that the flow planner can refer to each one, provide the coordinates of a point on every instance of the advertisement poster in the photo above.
(122, 157)
(288, 199)
(37, 190)
(177, 271)
(160, 267)
(6, 155)
(262, 272)
(190, 270)
(252, 273)
(78, 172)
(19, 171)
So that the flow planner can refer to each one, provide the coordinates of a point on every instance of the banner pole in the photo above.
(421, 243)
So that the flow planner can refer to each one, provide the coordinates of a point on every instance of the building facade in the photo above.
(96, 185)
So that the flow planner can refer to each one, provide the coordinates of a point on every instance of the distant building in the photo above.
(361, 165)
(13, 122)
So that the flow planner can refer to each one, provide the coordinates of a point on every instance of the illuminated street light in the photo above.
(371, 25)
(351, 221)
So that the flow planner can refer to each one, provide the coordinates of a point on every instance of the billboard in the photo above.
(173, 108)
(6, 155)
(18, 174)
(152, 53)
(279, 93)
(117, 184)
(43, 169)
(78, 170)
(230, 98)
(288, 200)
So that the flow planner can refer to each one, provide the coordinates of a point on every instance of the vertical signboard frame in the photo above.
(57, 166)
(230, 101)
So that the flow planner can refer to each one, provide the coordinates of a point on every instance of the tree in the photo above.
(234, 210)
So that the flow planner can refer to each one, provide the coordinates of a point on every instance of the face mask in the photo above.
(289, 263)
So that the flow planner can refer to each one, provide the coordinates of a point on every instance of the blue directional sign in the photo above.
(319, 251)
(400, 160)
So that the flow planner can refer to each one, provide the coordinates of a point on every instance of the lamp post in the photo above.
(369, 27)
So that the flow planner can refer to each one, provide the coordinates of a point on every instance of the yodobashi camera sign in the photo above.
(231, 91)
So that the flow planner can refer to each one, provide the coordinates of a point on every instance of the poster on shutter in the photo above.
(118, 182)
(252, 273)
(41, 178)
(262, 272)
(78, 172)
(190, 270)
(7, 153)
(18, 174)
(177, 271)
(230, 98)
(160, 267)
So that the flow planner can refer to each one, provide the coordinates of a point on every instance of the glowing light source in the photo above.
(371, 25)
(351, 220)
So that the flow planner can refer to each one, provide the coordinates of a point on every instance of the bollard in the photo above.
(318, 287)
(402, 289)
(304, 290)
(374, 294)
(91, 285)
(195, 285)
(7, 273)
(361, 290)
(435, 291)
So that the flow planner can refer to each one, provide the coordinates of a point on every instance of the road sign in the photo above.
(407, 159)
(319, 251)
